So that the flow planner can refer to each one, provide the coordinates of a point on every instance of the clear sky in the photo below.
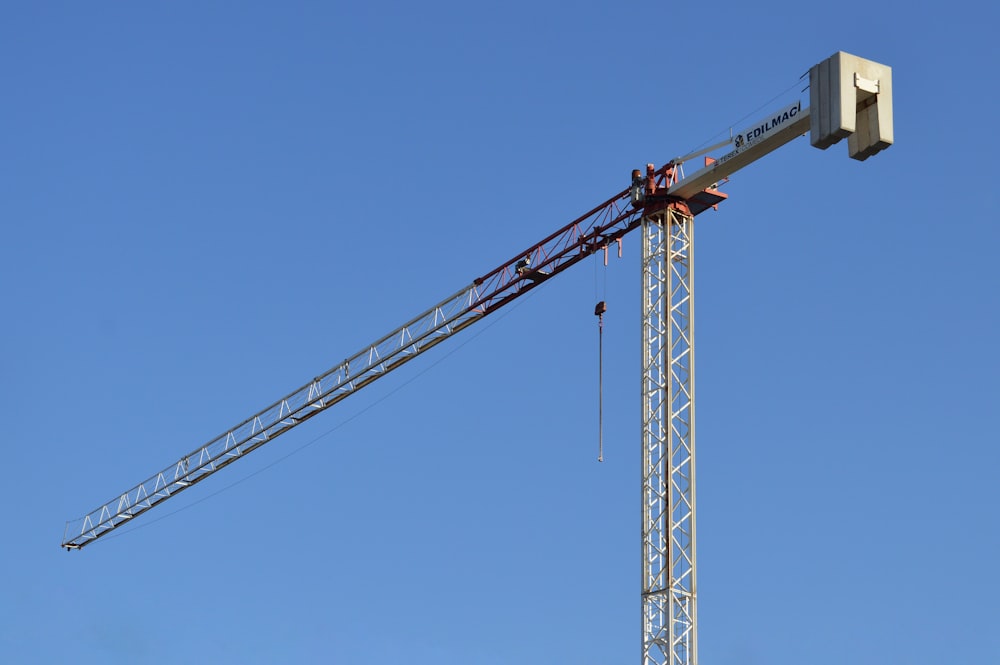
(205, 204)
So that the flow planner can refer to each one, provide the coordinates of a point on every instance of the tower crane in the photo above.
(849, 97)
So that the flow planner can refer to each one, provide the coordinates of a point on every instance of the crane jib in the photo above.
(580, 238)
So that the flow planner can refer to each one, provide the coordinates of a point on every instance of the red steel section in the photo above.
(591, 232)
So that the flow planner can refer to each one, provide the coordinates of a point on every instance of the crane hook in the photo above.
(599, 311)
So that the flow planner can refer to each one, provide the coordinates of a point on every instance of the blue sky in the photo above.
(206, 204)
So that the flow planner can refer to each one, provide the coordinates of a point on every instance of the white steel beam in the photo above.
(746, 153)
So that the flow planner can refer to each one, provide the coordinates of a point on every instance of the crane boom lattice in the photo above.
(580, 238)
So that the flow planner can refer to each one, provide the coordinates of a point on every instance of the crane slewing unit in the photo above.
(850, 97)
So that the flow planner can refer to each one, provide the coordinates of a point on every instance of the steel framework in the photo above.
(587, 234)
(669, 598)
(852, 97)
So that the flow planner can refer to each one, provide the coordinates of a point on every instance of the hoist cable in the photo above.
(600, 391)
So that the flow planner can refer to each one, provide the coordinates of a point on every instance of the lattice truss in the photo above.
(668, 530)
(580, 238)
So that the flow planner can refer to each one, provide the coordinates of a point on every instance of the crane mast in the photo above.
(849, 98)
(669, 599)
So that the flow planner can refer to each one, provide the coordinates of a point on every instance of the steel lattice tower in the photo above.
(669, 600)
